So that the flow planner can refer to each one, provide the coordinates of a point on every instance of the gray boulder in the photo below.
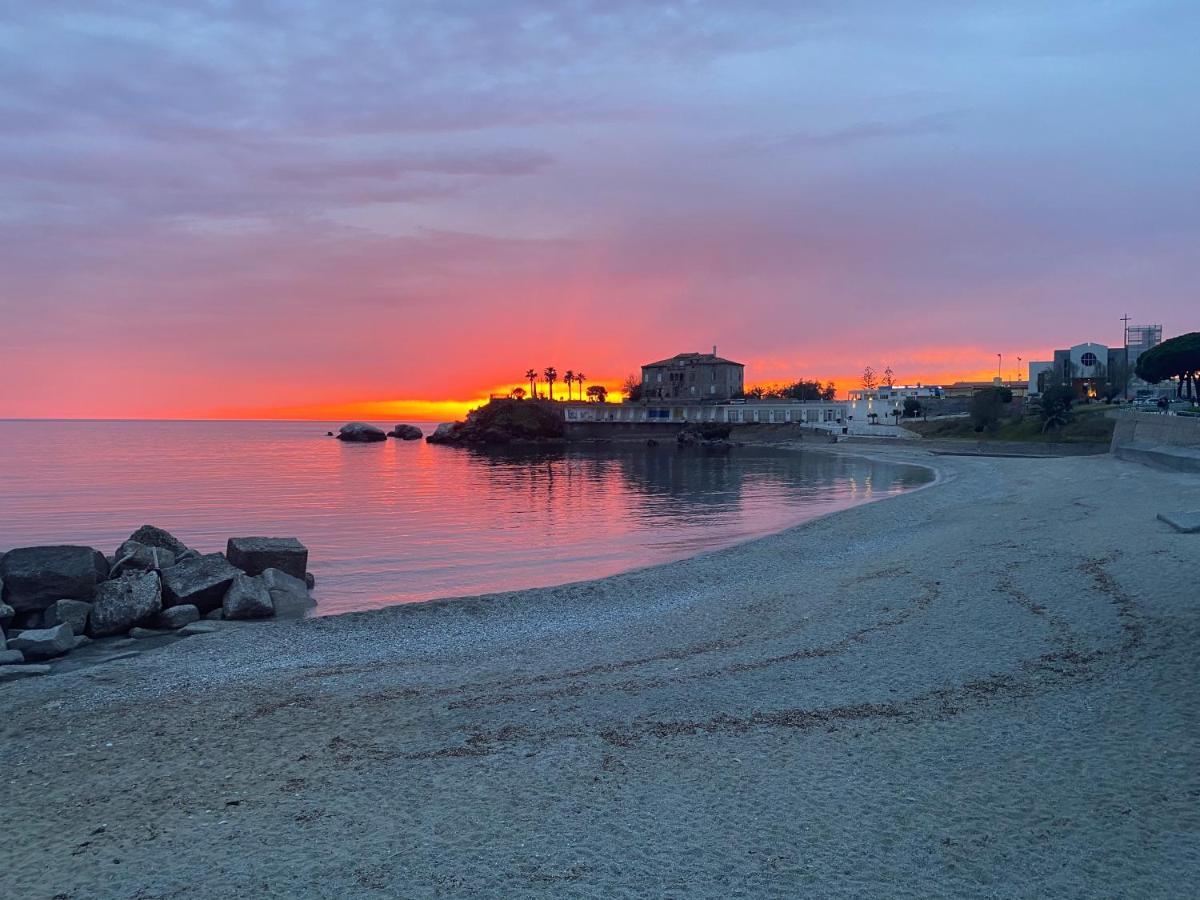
(444, 433)
(254, 555)
(151, 536)
(12, 673)
(34, 577)
(177, 616)
(6, 615)
(132, 556)
(133, 599)
(248, 598)
(360, 432)
(214, 615)
(200, 582)
(289, 595)
(44, 643)
(67, 612)
(310, 580)
(188, 554)
(11, 657)
(406, 433)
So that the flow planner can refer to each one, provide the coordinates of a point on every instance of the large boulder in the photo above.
(138, 557)
(360, 432)
(177, 616)
(151, 536)
(132, 599)
(254, 555)
(201, 582)
(248, 598)
(406, 433)
(44, 643)
(34, 577)
(11, 657)
(444, 433)
(289, 595)
(68, 612)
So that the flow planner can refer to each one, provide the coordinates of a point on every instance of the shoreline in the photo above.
(937, 694)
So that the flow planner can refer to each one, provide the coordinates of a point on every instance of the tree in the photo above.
(597, 393)
(868, 379)
(569, 378)
(758, 392)
(829, 393)
(517, 393)
(532, 376)
(912, 407)
(896, 414)
(551, 376)
(631, 387)
(889, 377)
(986, 407)
(1056, 406)
(1178, 357)
(579, 379)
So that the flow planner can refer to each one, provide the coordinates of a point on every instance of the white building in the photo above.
(876, 406)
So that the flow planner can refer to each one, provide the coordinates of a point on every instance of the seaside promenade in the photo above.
(983, 688)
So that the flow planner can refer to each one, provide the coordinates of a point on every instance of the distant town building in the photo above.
(874, 405)
(1089, 366)
(960, 390)
(693, 376)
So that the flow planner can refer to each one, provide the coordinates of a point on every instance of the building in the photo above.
(1089, 367)
(698, 377)
(964, 390)
(877, 405)
(827, 416)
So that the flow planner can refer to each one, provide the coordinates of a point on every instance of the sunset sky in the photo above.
(389, 209)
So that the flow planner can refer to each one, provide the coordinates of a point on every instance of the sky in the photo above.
(324, 208)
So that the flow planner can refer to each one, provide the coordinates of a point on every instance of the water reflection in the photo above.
(407, 521)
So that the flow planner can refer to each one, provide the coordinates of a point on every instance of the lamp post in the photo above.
(1125, 374)
(999, 362)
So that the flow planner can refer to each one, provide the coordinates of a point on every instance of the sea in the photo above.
(405, 521)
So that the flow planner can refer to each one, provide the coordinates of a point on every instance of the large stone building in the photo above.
(693, 376)
(1086, 367)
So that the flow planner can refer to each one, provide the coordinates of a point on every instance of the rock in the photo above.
(34, 577)
(201, 582)
(199, 628)
(44, 643)
(120, 604)
(81, 640)
(288, 595)
(310, 580)
(140, 634)
(177, 616)
(151, 536)
(443, 434)
(214, 615)
(11, 657)
(188, 554)
(248, 598)
(12, 673)
(329, 434)
(67, 612)
(360, 432)
(406, 433)
(132, 556)
(31, 618)
(254, 555)
(6, 614)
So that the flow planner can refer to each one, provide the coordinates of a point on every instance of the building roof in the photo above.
(703, 359)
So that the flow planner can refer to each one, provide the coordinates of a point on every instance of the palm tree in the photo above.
(569, 378)
(579, 381)
(532, 376)
(551, 374)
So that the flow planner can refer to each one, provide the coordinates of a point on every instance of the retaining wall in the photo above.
(1168, 442)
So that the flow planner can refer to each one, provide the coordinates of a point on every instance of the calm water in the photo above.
(403, 521)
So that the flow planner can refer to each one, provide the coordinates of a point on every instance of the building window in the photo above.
(1088, 359)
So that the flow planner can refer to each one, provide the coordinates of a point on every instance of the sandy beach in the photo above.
(984, 688)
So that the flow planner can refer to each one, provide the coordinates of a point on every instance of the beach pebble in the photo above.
(132, 599)
(44, 643)
(177, 616)
(12, 673)
(248, 598)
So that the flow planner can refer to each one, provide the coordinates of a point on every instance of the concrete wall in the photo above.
(1150, 428)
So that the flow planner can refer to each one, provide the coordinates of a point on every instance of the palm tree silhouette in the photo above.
(532, 376)
(569, 378)
(551, 374)
(579, 381)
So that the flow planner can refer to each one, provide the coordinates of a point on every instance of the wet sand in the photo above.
(985, 688)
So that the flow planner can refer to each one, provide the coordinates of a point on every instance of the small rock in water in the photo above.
(360, 432)
(44, 643)
(12, 673)
(11, 657)
(406, 433)
(248, 598)
(254, 555)
(177, 616)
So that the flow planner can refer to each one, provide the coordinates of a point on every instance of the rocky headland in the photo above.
(56, 599)
(504, 422)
